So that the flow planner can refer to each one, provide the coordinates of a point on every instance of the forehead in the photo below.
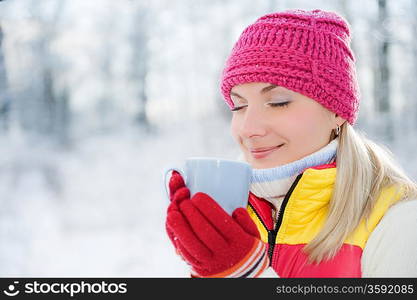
(255, 88)
(258, 88)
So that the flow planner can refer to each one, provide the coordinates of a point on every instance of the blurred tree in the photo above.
(412, 101)
(106, 105)
(382, 73)
(140, 61)
(5, 101)
(42, 104)
(382, 78)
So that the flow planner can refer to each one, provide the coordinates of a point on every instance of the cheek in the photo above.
(234, 128)
(308, 128)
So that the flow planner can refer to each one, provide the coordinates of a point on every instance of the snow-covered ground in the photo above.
(98, 209)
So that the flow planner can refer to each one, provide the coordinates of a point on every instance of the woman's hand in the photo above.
(214, 243)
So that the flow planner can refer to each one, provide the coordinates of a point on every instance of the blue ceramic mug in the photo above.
(226, 181)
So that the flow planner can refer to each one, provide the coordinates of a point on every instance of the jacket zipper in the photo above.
(272, 234)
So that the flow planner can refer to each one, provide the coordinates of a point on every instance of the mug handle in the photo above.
(168, 170)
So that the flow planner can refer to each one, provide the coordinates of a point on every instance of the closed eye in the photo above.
(279, 104)
(236, 108)
(273, 104)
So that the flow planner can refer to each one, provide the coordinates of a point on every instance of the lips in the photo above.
(263, 152)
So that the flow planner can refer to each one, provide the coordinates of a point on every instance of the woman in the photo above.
(324, 201)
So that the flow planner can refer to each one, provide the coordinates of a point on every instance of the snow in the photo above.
(95, 210)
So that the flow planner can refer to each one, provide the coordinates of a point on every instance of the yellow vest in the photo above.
(307, 207)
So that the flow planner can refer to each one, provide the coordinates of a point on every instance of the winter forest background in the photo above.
(97, 97)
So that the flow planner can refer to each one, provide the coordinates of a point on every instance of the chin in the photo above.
(264, 163)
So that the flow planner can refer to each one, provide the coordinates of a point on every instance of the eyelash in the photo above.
(281, 104)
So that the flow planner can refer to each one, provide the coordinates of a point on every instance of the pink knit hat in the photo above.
(305, 51)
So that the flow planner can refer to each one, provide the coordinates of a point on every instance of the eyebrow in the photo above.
(263, 91)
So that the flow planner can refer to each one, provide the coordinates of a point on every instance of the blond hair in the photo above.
(364, 168)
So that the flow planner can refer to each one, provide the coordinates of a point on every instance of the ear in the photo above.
(339, 120)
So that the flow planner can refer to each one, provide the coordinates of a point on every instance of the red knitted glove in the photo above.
(214, 243)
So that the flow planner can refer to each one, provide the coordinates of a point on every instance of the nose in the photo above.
(253, 123)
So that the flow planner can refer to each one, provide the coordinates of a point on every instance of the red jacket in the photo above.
(302, 215)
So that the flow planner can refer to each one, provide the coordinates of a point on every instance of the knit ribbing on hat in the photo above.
(305, 51)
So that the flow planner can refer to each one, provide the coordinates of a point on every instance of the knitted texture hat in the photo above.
(305, 51)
